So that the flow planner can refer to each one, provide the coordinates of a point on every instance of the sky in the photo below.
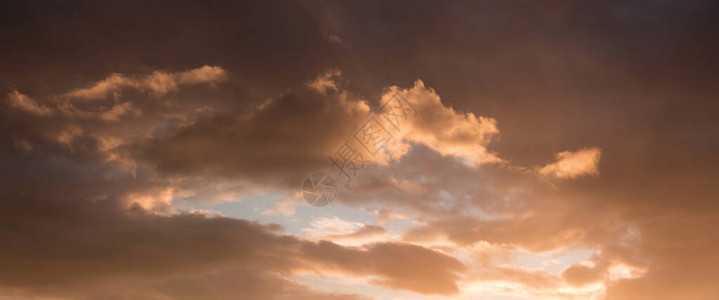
(387, 150)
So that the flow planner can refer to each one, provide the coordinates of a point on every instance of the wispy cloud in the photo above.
(157, 83)
(574, 164)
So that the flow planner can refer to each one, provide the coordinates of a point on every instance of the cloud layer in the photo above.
(547, 155)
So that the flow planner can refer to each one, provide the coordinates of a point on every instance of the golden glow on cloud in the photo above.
(23, 102)
(444, 130)
(458, 257)
(574, 164)
(158, 83)
(157, 151)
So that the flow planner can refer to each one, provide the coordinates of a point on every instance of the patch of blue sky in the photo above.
(252, 207)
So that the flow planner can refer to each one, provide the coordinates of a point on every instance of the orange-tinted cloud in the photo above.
(158, 83)
(574, 164)
(637, 79)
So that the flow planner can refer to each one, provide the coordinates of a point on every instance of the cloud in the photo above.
(574, 164)
(102, 131)
(210, 150)
(322, 227)
(439, 127)
(335, 39)
(366, 231)
(123, 238)
(396, 265)
(191, 151)
(26, 104)
(278, 142)
(579, 274)
(250, 283)
(140, 253)
(386, 216)
(344, 232)
(158, 83)
(286, 206)
(117, 111)
(185, 142)
(287, 136)
(568, 74)
(326, 81)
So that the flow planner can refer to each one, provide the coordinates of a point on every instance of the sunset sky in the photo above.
(527, 150)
